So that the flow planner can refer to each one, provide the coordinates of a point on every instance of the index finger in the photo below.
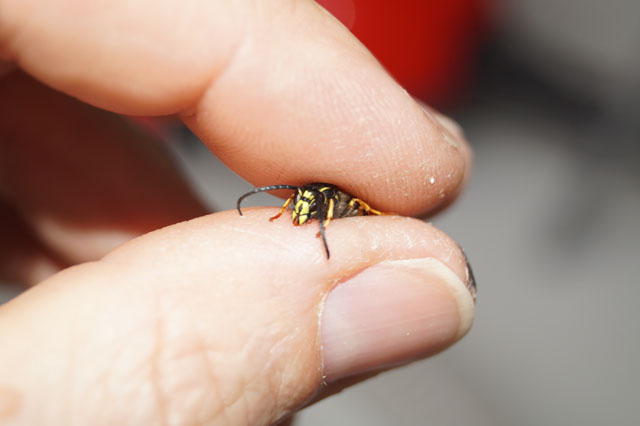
(280, 91)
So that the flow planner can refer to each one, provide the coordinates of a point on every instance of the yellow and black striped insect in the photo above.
(321, 201)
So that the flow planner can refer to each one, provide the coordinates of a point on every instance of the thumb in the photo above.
(205, 322)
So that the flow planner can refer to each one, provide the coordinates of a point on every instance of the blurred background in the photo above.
(548, 92)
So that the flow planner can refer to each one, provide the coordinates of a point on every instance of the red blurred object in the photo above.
(429, 46)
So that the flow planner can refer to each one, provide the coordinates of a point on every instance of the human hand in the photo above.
(222, 319)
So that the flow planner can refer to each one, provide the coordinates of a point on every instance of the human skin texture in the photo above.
(143, 308)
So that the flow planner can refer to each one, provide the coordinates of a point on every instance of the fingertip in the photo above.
(392, 313)
(313, 107)
(222, 301)
(397, 289)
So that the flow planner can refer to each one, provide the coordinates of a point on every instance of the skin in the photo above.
(210, 319)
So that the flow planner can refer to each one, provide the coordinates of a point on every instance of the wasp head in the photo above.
(305, 206)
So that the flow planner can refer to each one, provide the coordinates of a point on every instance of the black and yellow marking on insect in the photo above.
(320, 201)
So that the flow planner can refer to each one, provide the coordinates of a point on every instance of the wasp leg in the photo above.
(323, 223)
(284, 206)
(329, 213)
(328, 217)
(366, 207)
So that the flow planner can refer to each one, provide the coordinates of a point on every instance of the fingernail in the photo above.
(471, 279)
(391, 313)
(448, 123)
(451, 131)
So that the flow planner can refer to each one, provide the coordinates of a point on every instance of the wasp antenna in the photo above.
(262, 189)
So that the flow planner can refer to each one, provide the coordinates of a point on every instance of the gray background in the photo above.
(550, 224)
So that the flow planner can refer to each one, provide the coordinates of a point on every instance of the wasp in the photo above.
(321, 201)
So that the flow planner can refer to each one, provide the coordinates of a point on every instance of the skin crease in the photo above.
(215, 320)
